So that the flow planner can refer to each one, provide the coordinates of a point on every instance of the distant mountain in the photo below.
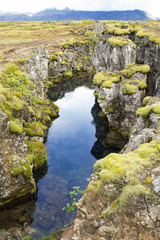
(67, 14)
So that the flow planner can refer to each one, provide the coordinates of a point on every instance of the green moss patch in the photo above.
(68, 74)
(53, 57)
(119, 31)
(156, 108)
(151, 36)
(38, 150)
(91, 38)
(15, 128)
(24, 169)
(106, 79)
(129, 86)
(118, 41)
(128, 170)
(146, 100)
(34, 129)
(112, 108)
(131, 69)
(144, 111)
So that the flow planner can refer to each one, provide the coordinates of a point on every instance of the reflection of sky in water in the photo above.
(72, 136)
(70, 162)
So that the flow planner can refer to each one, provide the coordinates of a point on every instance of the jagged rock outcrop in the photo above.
(24, 118)
(37, 68)
(114, 53)
(122, 198)
(120, 97)
(13, 151)
(124, 187)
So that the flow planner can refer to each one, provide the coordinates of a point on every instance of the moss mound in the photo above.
(129, 86)
(38, 150)
(15, 128)
(144, 111)
(118, 41)
(156, 108)
(24, 169)
(119, 31)
(106, 79)
(34, 129)
(128, 170)
(146, 100)
(131, 69)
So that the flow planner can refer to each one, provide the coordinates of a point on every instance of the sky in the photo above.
(151, 6)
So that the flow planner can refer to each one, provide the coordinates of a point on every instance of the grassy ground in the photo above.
(18, 38)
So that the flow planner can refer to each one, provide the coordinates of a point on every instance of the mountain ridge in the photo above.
(67, 14)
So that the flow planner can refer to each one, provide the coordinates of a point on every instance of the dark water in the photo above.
(70, 162)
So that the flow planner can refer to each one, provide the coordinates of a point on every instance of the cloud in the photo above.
(36, 5)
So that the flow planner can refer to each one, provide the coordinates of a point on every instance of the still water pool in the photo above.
(70, 162)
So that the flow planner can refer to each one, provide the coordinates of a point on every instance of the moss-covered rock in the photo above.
(106, 79)
(53, 57)
(129, 86)
(128, 89)
(131, 69)
(38, 150)
(111, 109)
(68, 74)
(146, 100)
(24, 169)
(15, 128)
(34, 129)
(118, 41)
(144, 111)
(119, 31)
(156, 108)
(129, 169)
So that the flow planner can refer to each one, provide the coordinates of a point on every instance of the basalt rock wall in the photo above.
(122, 198)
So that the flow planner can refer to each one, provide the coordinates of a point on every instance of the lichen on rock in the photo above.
(131, 69)
(106, 79)
(118, 41)
(129, 86)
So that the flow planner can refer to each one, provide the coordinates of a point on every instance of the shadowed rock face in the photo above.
(101, 147)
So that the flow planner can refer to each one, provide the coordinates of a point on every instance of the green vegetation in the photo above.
(13, 78)
(112, 108)
(38, 150)
(106, 79)
(144, 111)
(119, 31)
(155, 108)
(90, 38)
(129, 168)
(24, 169)
(34, 129)
(53, 58)
(131, 69)
(75, 194)
(15, 128)
(152, 37)
(118, 41)
(68, 44)
(68, 74)
(129, 86)
(146, 100)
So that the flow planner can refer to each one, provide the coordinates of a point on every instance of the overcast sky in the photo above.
(151, 6)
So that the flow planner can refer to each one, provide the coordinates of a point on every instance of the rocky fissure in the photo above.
(120, 202)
